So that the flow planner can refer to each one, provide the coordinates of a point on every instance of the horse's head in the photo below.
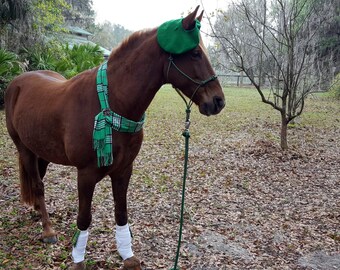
(188, 68)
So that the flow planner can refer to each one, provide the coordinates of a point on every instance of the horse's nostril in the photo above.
(219, 102)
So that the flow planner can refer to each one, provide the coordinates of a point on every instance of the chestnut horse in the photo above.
(51, 119)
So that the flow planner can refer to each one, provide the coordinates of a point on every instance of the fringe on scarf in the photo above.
(102, 140)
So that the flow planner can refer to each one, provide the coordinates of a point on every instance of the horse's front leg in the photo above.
(120, 182)
(86, 183)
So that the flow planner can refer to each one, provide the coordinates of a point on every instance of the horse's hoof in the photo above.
(50, 239)
(131, 264)
(78, 266)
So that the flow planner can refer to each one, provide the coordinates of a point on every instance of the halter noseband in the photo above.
(199, 83)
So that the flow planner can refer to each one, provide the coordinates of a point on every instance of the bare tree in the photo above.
(273, 43)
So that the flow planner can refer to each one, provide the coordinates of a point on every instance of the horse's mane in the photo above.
(132, 41)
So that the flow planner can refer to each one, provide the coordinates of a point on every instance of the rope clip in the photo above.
(187, 124)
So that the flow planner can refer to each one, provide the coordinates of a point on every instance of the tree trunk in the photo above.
(284, 126)
(241, 78)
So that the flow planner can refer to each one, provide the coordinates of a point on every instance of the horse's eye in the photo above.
(196, 54)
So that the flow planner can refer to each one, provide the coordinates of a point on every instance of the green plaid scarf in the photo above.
(107, 120)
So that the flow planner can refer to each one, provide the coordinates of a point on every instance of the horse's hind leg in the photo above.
(120, 184)
(49, 235)
(32, 170)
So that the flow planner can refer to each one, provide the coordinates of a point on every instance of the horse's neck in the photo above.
(134, 79)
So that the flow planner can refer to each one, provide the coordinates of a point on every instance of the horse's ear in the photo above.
(199, 18)
(188, 22)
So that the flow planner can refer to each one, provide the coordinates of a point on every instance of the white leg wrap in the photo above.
(78, 252)
(123, 239)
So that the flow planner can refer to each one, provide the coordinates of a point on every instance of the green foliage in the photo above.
(48, 14)
(9, 68)
(66, 59)
(24, 22)
(78, 58)
(43, 56)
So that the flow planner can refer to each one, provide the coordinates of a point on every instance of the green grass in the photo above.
(243, 106)
(244, 112)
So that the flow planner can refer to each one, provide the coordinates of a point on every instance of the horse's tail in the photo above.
(26, 184)
(26, 181)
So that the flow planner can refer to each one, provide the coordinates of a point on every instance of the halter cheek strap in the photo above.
(199, 83)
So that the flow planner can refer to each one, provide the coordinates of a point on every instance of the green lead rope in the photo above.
(186, 134)
(75, 238)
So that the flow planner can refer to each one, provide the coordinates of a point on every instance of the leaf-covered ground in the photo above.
(248, 204)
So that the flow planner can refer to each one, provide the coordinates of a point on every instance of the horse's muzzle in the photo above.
(214, 107)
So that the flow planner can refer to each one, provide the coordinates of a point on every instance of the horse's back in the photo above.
(32, 82)
(31, 79)
(33, 90)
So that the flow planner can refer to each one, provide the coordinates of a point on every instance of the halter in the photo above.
(199, 83)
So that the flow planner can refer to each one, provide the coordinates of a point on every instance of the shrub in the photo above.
(79, 58)
(66, 59)
(43, 56)
(9, 68)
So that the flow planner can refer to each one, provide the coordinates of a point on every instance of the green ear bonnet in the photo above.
(173, 38)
